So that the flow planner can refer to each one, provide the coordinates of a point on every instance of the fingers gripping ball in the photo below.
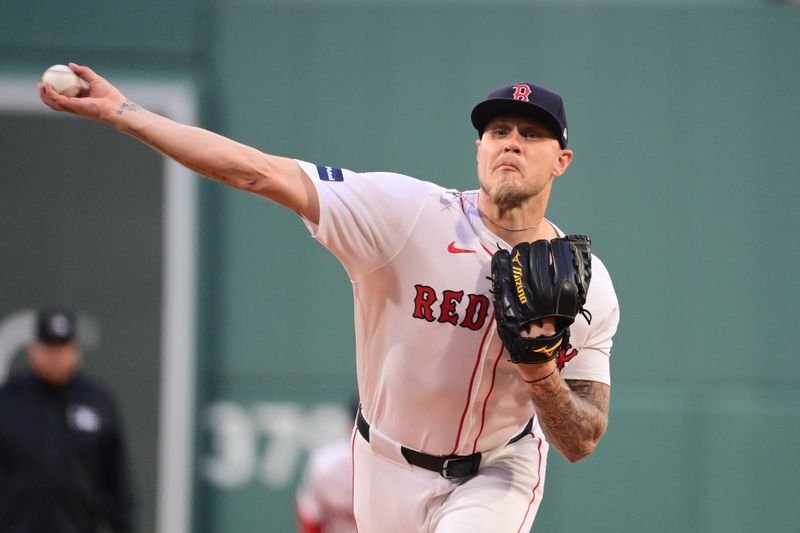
(64, 81)
(537, 281)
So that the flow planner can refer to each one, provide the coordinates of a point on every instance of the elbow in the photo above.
(250, 178)
(580, 452)
(254, 184)
(248, 172)
(584, 447)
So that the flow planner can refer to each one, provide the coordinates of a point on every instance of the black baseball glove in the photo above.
(536, 281)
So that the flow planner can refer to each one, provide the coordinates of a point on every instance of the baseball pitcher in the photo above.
(483, 331)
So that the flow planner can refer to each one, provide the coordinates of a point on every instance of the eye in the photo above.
(531, 134)
(499, 131)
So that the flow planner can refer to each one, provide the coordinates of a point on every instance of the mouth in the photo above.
(507, 166)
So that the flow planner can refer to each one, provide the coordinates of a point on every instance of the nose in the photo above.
(512, 142)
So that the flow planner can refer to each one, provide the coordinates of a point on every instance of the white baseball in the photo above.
(64, 81)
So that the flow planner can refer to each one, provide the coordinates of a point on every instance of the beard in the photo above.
(508, 194)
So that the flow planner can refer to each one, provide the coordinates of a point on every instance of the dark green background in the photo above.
(683, 117)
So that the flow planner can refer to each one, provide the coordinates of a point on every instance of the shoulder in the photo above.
(341, 177)
(601, 289)
(601, 280)
(14, 386)
(401, 186)
(601, 301)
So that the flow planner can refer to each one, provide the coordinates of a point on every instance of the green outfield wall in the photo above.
(684, 121)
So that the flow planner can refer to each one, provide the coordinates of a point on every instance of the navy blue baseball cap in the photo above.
(524, 99)
(55, 326)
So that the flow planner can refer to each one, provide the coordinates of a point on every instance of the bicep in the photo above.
(291, 187)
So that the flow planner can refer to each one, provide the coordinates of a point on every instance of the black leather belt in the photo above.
(448, 466)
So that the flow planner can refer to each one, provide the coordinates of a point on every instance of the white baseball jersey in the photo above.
(325, 495)
(432, 372)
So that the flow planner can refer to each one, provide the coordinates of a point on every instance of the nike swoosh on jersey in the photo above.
(455, 250)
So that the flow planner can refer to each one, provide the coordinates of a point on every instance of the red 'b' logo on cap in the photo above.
(521, 92)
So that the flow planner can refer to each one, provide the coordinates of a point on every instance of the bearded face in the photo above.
(508, 194)
(517, 160)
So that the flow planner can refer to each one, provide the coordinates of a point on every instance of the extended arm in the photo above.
(202, 151)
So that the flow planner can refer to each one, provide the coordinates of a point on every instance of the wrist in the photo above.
(119, 113)
(531, 373)
(541, 379)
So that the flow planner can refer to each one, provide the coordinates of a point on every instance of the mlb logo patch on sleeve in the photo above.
(330, 173)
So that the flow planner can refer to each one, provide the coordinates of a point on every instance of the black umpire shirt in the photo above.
(63, 466)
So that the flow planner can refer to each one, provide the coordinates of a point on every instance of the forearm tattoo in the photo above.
(572, 413)
(127, 105)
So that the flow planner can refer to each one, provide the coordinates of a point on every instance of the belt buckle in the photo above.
(456, 467)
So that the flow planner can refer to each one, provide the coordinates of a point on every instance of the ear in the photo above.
(563, 161)
(477, 147)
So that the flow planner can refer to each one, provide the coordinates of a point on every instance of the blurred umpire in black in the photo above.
(63, 465)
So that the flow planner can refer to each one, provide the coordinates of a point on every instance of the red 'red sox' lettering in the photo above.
(473, 317)
(447, 311)
(425, 298)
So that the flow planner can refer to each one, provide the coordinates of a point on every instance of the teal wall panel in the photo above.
(637, 478)
(751, 461)
(139, 25)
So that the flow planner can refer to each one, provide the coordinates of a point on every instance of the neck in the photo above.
(523, 223)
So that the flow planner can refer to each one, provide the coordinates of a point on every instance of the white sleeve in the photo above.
(592, 362)
(307, 500)
(365, 218)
